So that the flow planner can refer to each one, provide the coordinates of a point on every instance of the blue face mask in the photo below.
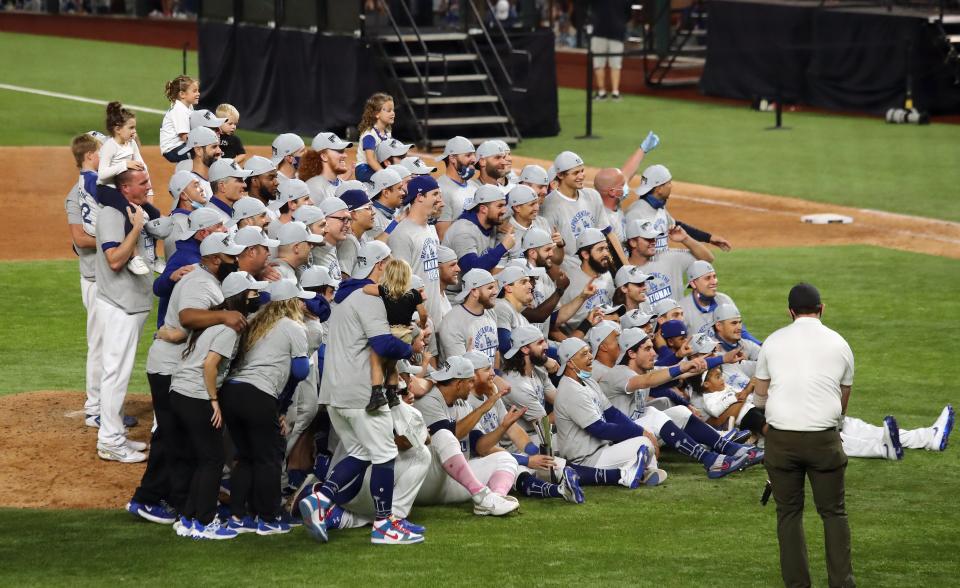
(583, 374)
(197, 205)
(296, 162)
(467, 172)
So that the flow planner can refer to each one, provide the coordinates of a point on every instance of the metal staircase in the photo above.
(681, 62)
(948, 29)
(443, 80)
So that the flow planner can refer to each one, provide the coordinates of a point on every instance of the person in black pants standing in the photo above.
(271, 359)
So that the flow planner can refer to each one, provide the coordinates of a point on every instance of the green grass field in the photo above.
(896, 309)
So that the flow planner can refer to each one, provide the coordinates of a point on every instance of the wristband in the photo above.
(531, 448)
(584, 326)
(675, 371)
(521, 458)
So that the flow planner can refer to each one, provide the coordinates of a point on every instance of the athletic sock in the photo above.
(348, 492)
(701, 432)
(684, 444)
(501, 482)
(530, 485)
(594, 476)
(381, 489)
(342, 474)
(458, 469)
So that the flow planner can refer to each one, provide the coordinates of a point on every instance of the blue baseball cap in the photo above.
(420, 185)
(673, 329)
(355, 199)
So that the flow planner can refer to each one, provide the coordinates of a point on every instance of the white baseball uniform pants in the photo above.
(304, 407)
(121, 333)
(439, 488)
(409, 472)
(654, 419)
(624, 454)
(861, 439)
(88, 293)
(365, 436)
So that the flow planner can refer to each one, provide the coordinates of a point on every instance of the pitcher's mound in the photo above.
(49, 456)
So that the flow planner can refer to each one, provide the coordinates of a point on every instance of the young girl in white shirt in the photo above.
(183, 92)
(375, 127)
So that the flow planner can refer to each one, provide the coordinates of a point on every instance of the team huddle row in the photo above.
(349, 348)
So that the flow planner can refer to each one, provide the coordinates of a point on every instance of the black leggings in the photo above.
(253, 419)
(197, 451)
(155, 485)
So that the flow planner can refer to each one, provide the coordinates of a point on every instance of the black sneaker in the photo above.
(393, 398)
(378, 399)
(615, 96)
(600, 96)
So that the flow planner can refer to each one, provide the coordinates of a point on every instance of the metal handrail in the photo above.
(496, 88)
(493, 46)
(664, 64)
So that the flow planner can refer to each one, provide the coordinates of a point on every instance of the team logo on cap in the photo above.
(207, 115)
(362, 260)
(442, 366)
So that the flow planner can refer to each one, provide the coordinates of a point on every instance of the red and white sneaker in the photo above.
(393, 532)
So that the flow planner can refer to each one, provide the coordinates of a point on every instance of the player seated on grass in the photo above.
(524, 368)
(401, 299)
(677, 347)
(499, 425)
(701, 305)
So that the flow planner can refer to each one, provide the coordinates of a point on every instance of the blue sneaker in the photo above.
(290, 520)
(157, 513)
(183, 527)
(570, 486)
(891, 438)
(133, 507)
(632, 476)
(391, 532)
(247, 524)
(309, 485)
(334, 518)
(654, 477)
(274, 527)
(754, 455)
(412, 527)
(314, 509)
(724, 464)
(737, 435)
(215, 530)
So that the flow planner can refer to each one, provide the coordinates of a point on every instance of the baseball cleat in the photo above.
(725, 464)
(313, 509)
(654, 477)
(412, 527)
(570, 486)
(157, 513)
(754, 455)
(489, 503)
(247, 524)
(632, 475)
(214, 530)
(135, 445)
(93, 420)
(737, 435)
(123, 454)
(892, 447)
(942, 429)
(274, 527)
(138, 266)
(391, 532)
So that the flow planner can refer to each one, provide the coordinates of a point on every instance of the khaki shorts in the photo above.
(602, 45)
(402, 332)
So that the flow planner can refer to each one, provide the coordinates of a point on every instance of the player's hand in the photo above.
(595, 316)
(137, 217)
(541, 462)
(653, 439)
(650, 143)
(175, 276)
(283, 425)
(678, 234)
(509, 238)
(589, 290)
(562, 280)
(418, 344)
(693, 366)
(217, 419)
(557, 239)
(551, 365)
(742, 395)
(513, 415)
(234, 319)
(402, 442)
(734, 356)
(270, 272)
(720, 242)
(134, 165)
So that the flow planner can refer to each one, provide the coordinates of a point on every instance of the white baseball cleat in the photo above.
(942, 429)
(123, 454)
(137, 266)
(892, 447)
(487, 502)
(135, 445)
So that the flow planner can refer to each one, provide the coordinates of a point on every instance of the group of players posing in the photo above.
(434, 340)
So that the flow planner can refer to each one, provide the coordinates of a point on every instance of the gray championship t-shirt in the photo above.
(530, 393)
(579, 406)
(699, 319)
(321, 188)
(198, 289)
(417, 245)
(464, 237)
(434, 410)
(662, 221)
(454, 195)
(519, 231)
(188, 379)
(668, 269)
(325, 255)
(571, 217)
(82, 209)
(614, 382)
(347, 251)
(266, 365)
(578, 281)
(463, 331)
(346, 366)
(124, 289)
(507, 316)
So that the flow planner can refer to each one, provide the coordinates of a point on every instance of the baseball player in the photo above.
(492, 165)
(256, 255)
(525, 367)
(631, 283)
(415, 241)
(203, 146)
(861, 439)
(472, 324)
(474, 236)
(728, 329)
(448, 267)
(187, 196)
(457, 473)
(593, 253)
(361, 221)
(550, 283)
(524, 209)
(338, 220)
(333, 157)
(390, 152)
(262, 182)
(227, 184)
(417, 167)
(535, 177)
(250, 212)
(286, 150)
(700, 305)
(387, 197)
(516, 291)
(291, 196)
(667, 267)
(358, 323)
(458, 157)
(293, 251)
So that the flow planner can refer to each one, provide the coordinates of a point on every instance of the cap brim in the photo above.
(313, 238)
(235, 249)
(306, 295)
(185, 149)
(268, 242)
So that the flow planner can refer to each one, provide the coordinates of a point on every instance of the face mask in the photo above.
(253, 305)
(296, 162)
(583, 374)
(225, 270)
(197, 205)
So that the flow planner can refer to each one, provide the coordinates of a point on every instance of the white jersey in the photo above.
(176, 121)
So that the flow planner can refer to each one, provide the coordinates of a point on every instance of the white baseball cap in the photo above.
(445, 254)
(644, 229)
(287, 289)
(637, 317)
(250, 236)
(511, 274)
(567, 349)
(534, 174)
(204, 118)
(384, 179)
(653, 176)
(370, 254)
(454, 368)
(521, 337)
(631, 274)
(202, 218)
(349, 185)
(220, 243)
(226, 168)
(589, 237)
(332, 205)
(240, 281)
(606, 309)
(289, 191)
(199, 137)
(456, 146)
(703, 343)
(491, 148)
(567, 160)
(520, 195)
(416, 166)
(630, 338)
(391, 148)
(98, 136)
(308, 214)
(726, 312)
(179, 182)
(485, 194)
(296, 232)
(284, 145)
(665, 305)
(247, 207)
(535, 238)
(401, 170)
(477, 359)
(599, 332)
(326, 140)
(474, 279)
(698, 269)
(316, 276)
(417, 283)
(259, 165)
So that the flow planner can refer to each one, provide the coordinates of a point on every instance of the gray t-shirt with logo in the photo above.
(124, 289)
(417, 245)
(266, 365)
(82, 209)
(463, 331)
(699, 320)
(188, 379)
(198, 289)
(579, 406)
(613, 383)
(435, 410)
(667, 269)
(530, 393)
(578, 281)
(571, 217)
